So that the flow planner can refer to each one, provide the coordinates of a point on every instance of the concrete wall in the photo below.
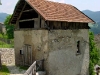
(58, 48)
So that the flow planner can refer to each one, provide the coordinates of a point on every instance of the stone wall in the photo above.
(58, 48)
(7, 56)
(62, 56)
(36, 39)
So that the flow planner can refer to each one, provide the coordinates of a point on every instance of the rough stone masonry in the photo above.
(7, 56)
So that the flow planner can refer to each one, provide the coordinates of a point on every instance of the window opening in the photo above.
(21, 52)
(26, 24)
(78, 47)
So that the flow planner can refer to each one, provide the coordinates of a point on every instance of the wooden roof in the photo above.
(53, 11)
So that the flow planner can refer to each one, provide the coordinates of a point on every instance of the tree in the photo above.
(94, 54)
(9, 28)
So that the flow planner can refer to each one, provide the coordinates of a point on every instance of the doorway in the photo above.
(27, 55)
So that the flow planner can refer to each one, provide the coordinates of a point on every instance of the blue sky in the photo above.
(94, 5)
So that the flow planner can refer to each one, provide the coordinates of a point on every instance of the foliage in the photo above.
(99, 58)
(4, 70)
(94, 54)
(9, 28)
(91, 68)
(5, 42)
(3, 36)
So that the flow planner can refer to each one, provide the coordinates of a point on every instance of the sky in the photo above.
(93, 5)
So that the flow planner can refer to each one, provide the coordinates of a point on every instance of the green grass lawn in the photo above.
(4, 70)
(5, 45)
(3, 36)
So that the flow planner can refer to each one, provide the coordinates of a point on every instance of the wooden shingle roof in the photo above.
(54, 11)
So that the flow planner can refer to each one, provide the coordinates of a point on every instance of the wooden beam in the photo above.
(28, 19)
(28, 10)
(21, 11)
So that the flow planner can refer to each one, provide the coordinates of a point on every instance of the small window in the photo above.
(78, 47)
(21, 52)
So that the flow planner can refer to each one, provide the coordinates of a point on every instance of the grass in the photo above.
(3, 36)
(4, 70)
(23, 67)
(5, 45)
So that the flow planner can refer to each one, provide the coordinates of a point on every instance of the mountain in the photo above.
(3, 16)
(96, 17)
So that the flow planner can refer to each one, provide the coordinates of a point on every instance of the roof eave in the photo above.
(92, 21)
(69, 21)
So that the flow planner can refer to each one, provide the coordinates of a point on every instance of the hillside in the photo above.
(3, 16)
(96, 17)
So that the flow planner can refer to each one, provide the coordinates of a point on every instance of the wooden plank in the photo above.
(42, 23)
(59, 24)
(23, 55)
(31, 69)
(31, 54)
(26, 55)
(51, 24)
(28, 19)
(37, 23)
(17, 25)
(21, 11)
(27, 10)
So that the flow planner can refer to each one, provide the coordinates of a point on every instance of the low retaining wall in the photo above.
(7, 56)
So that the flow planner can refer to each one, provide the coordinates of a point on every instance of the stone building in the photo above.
(2, 28)
(55, 32)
